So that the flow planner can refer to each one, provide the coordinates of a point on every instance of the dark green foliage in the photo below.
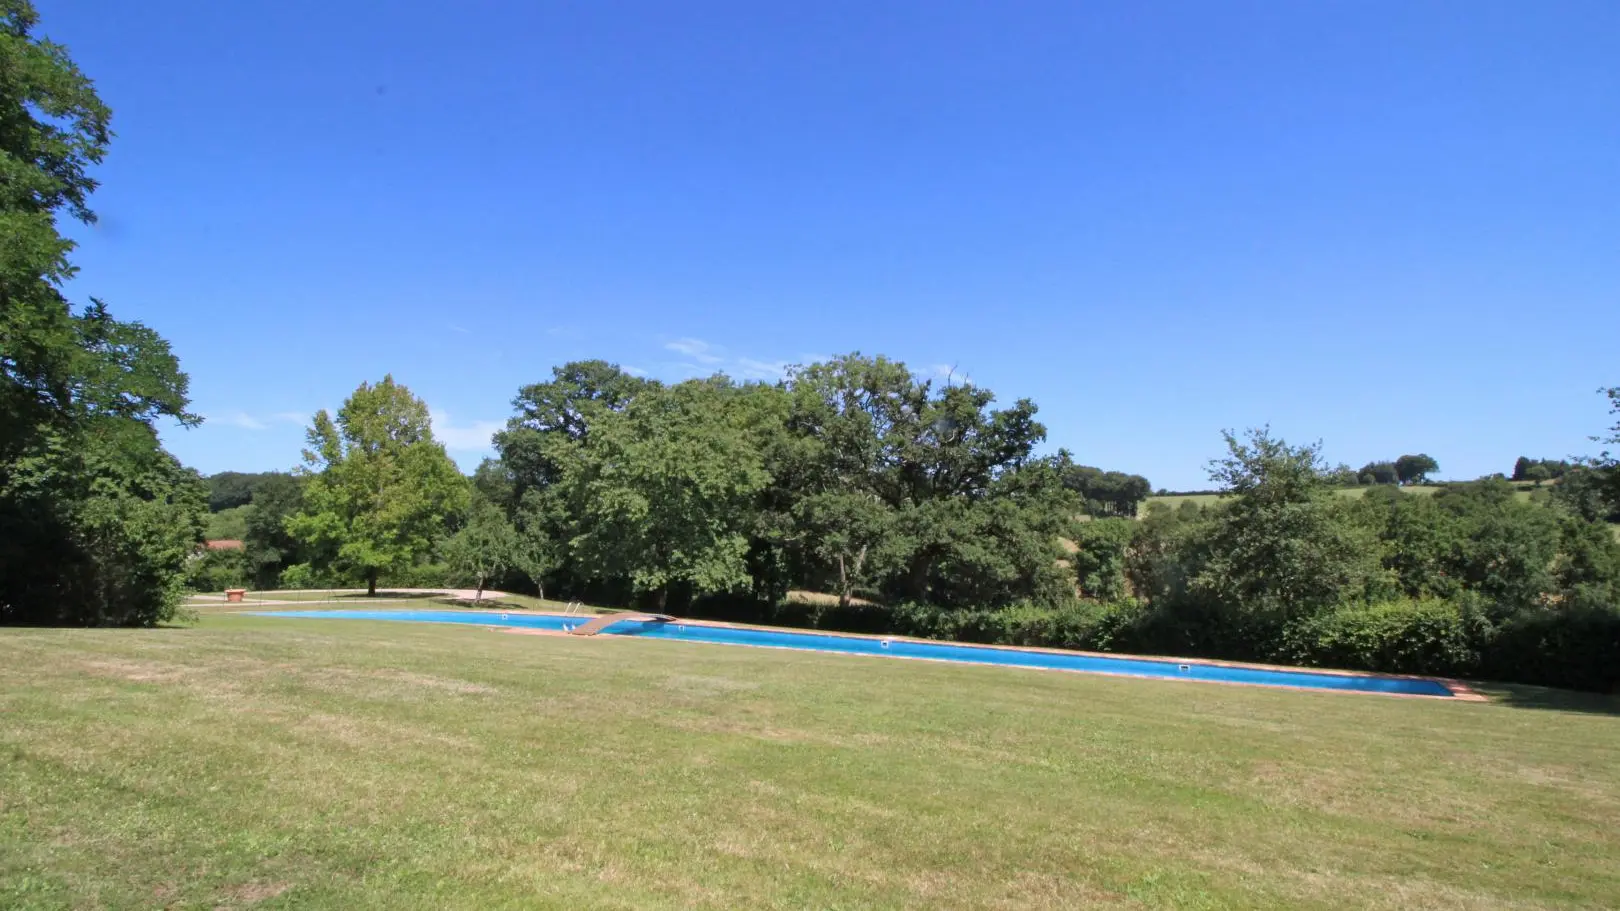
(1284, 543)
(854, 476)
(96, 520)
(1379, 473)
(660, 493)
(1104, 493)
(1404, 637)
(1415, 469)
(1584, 492)
(379, 492)
(1166, 551)
(1408, 469)
(228, 524)
(231, 489)
(973, 519)
(1528, 469)
(1606, 466)
(95, 529)
(1343, 475)
(1572, 647)
(270, 548)
(1099, 557)
(217, 570)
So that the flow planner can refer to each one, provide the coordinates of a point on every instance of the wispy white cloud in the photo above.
(750, 369)
(243, 420)
(681, 370)
(632, 369)
(473, 436)
(696, 349)
(460, 329)
(704, 358)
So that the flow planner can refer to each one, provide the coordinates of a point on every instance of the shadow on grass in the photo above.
(1538, 697)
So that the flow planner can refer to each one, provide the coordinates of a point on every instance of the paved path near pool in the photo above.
(347, 596)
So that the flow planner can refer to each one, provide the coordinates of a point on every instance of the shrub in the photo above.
(1404, 637)
(1576, 646)
(418, 575)
(217, 570)
(302, 575)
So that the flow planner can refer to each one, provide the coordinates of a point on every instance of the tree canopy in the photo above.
(96, 520)
(1415, 469)
(380, 490)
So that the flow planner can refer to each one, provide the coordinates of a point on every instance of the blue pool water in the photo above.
(905, 648)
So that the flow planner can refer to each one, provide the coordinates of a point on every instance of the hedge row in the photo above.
(1573, 646)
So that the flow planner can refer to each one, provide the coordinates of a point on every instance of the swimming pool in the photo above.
(909, 648)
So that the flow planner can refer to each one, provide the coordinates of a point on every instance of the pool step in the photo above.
(606, 620)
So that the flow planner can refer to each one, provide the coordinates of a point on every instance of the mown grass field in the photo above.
(1205, 499)
(257, 762)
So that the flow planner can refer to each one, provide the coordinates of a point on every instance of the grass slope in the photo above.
(1422, 490)
(252, 761)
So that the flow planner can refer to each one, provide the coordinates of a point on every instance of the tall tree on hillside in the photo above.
(1550, 468)
(1415, 469)
(230, 489)
(1521, 466)
(1104, 493)
(381, 490)
(1380, 473)
(96, 520)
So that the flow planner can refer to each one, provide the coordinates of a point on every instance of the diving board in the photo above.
(606, 620)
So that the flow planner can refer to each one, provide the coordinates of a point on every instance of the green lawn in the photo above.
(1425, 490)
(251, 761)
(1202, 499)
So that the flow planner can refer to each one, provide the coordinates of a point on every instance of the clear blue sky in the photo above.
(1394, 226)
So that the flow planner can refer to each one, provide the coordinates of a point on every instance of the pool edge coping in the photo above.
(1460, 690)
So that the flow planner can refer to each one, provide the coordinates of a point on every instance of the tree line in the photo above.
(853, 477)
(918, 507)
(923, 508)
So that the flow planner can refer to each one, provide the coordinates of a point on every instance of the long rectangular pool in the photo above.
(909, 648)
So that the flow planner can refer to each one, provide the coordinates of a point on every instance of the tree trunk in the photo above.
(846, 581)
(660, 599)
(479, 597)
(371, 583)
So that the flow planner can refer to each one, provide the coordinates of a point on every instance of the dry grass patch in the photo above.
(322, 763)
